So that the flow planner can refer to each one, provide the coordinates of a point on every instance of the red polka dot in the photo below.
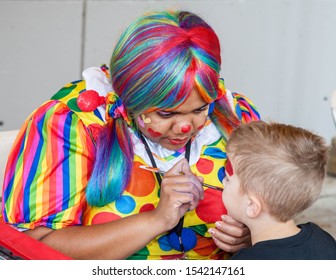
(204, 166)
(211, 207)
(104, 217)
(142, 182)
(147, 208)
(172, 257)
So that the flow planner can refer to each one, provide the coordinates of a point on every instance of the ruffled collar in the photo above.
(165, 158)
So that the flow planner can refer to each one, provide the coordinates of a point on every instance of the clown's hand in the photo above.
(181, 191)
(230, 235)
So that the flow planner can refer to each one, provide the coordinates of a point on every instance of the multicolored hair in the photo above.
(156, 63)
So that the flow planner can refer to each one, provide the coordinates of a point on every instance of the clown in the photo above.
(161, 104)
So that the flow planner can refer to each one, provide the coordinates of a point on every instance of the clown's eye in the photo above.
(201, 109)
(164, 114)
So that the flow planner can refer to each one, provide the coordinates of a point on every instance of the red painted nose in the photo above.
(185, 128)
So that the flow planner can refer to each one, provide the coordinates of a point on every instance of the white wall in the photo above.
(280, 53)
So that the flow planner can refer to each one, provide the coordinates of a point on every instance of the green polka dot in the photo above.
(216, 142)
(63, 92)
(140, 255)
(200, 229)
(72, 104)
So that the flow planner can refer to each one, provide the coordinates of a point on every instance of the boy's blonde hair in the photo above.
(283, 165)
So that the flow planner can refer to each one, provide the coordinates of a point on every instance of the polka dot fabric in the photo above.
(143, 194)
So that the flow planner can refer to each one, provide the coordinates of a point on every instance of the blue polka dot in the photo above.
(125, 204)
(221, 174)
(189, 239)
(164, 243)
(214, 152)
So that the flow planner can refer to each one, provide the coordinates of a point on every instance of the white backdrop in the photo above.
(279, 53)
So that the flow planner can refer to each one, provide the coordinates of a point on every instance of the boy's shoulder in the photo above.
(311, 243)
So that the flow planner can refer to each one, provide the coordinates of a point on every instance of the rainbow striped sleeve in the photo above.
(244, 108)
(48, 169)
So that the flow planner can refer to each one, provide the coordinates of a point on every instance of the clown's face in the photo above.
(173, 129)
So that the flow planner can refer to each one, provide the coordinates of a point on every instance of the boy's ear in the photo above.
(254, 207)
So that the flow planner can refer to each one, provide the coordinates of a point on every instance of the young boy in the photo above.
(274, 172)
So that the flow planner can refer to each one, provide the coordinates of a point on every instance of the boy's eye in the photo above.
(226, 179)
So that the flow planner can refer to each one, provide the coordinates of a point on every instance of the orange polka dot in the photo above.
(205, 246)
(104, 217)
(142, 182)
(204, 166)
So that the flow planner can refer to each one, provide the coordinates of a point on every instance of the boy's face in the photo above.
(233, 199)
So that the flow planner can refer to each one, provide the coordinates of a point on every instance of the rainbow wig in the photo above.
(156, 63)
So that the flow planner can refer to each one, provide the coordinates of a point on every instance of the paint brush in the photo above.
(157, 170)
